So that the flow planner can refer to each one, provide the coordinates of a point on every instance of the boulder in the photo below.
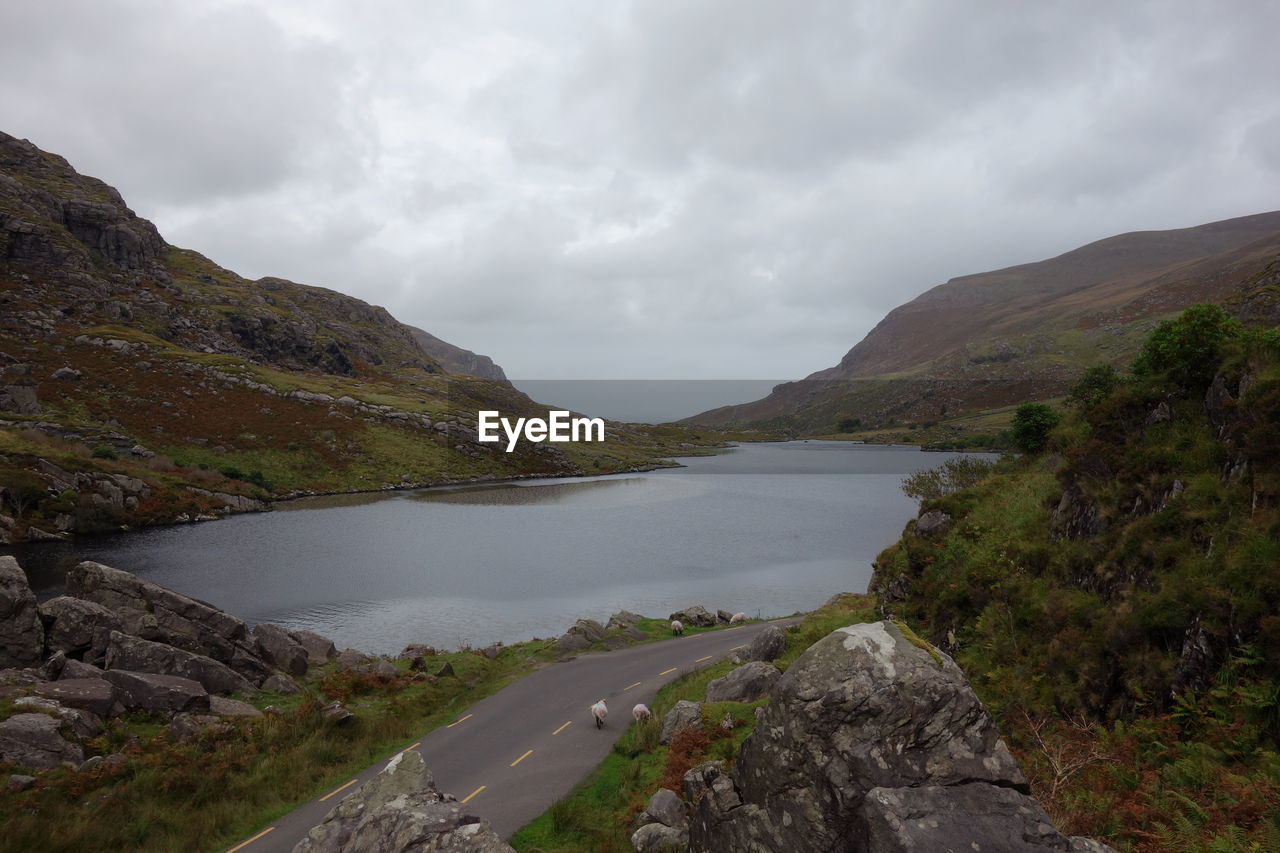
(164, 694)
(138, 655)
(933, 524)
(21, 633)
(581, 636)
(685, 715)
(659, 838)
(402, 811)
(724, 617)
(282, 684)
(336, 714)
(697, 615)
(72, 668)
(865, 707)
(153, 612)
(278, 648)
(418, 650)
(492, 652)
(32, 740)
(224, 707)
(82, 724)
(446, 670)
(666, 807)
(96, 695)
(351, 658)
(66, 374)
(977, 816)
(709, 780)
(746, 683)
(18, 782)
(73, 624)
(768, 645)
(187, 727)
(623, 619)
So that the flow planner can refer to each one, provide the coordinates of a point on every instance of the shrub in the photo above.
(104, 453)
(951, 476)
(22, 491)
(1094, 386)
(1187, 348)
(1032, 424)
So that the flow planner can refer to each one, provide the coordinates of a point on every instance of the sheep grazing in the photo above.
(598, 713)
(737, 617)
(641, 712)
(677, 627)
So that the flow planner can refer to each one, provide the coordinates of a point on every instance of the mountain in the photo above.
(142, 382)
(1026, 331)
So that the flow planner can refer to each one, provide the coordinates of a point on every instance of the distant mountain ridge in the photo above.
(1026, 330)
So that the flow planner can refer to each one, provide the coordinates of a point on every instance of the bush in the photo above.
(1094, 386)
(1187, 348)
(1032, 424)
(849, 425)
(951, 476)
(104, 453)
(22, 491)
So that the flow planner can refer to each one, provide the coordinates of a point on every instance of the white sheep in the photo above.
(737, 617)
(677, 627)
(598, 713)
(641, 712)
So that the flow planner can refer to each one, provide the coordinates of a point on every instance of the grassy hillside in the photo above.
(1114, 597)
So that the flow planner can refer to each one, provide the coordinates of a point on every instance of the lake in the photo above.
(768, 529)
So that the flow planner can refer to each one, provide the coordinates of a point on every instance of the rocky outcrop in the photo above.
(697, 616)
(684, 715)
(280, 649)
(163, 694)
(867, 708)
(402, 811)
(746, 683)
(1076, 516)
(933, 524)
(32, 740)
(320, 650)
(768, 645)
(138, 655)
(95, 695)
(78, 627)
(580, 636)
(664, 824)
(21, 633)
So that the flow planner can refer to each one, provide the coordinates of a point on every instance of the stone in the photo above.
(666, 807)
(976, 816)
(623, 619)
(96, 695)
(19, 399)
(18, 782)
(768, 645)
(402, 811)
(865, 707)
(224, 707)
(684, 715)
(337, 714)
(32, 740)
(75, 669)
(152, 612)
(72, 624)
(418, 650)
(83, 724)
(724, 617)
(446, 670)
(1160, 414)
(66, 374)
(933, 524)
(351, 658)
(710, 780)
(165, 694)
(187, 727)
(492, 652)
(139, 655)
(634, 633)
(695, 616)
(278, 648)
(746, 683)
(21, 632)
(580, 636)
(658, 838)
(282, 684)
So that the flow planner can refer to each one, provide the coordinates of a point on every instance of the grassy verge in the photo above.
(597, 816)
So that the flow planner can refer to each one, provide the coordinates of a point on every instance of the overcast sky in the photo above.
(655, 189)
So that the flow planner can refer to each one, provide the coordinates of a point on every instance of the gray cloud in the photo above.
(724, 188)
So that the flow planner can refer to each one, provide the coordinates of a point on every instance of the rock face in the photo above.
(320, 650)
(868, 710)
(402, 811)
(72, 625)
(767, 646)
(933, 524)
(279, 648)
(746, 683)
(96, 695)
(684, 715)
(32, 740)
(21, 633)
(138, 655)
(165, 694)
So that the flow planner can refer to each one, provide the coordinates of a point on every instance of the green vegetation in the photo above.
(951, 476)
(1113, 598)
(1032, 423)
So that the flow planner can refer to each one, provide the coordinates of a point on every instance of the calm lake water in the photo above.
(768, 529)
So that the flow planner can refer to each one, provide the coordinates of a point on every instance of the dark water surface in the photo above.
(768, 529)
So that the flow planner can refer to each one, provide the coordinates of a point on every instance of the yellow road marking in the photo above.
(472, 794)
(629, 686)
(562, 728)
(700, 660)
(244, 844)
(413, 746)
(735, 648)
(462, 720)
(522, 758)
(338, 789)
(665, 671)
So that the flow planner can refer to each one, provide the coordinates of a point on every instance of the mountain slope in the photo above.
(141, 382)
(1025, 331)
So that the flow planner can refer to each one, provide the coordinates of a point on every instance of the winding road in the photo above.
(514, 753)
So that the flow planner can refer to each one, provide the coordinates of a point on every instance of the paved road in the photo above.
(513, 754)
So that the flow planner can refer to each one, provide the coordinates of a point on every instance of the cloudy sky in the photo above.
(653, 189)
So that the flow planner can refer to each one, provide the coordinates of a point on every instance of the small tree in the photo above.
(1094, 386)
(1187, 348)
(1032, 424)
(955, 474)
